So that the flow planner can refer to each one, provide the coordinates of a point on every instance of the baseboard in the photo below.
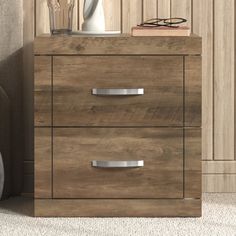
(118, 207)
(219, 183)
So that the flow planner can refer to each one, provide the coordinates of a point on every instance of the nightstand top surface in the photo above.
(122, 44)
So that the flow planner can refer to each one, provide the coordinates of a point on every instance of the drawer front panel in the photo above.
(118, 91)
(161, 150)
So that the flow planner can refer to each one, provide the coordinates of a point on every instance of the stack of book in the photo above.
(161, 31)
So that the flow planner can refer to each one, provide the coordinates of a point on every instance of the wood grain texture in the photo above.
(118, 45)
(224, 64)
(112, 10)
(182, 8)
(131, 14)
(150, 9)
(219, 167)
(42, 91)
(80, 14)
(203, 26)
(164, 8)
(219, 183)
(161, 150)
(193, 90)
(117, 208)
(43, 160)
(161, 104)
(41, 17)
(193, 166)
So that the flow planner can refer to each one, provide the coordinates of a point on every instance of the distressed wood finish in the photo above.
(161, 105)
(118, 208)
(43, 163)
(118, 45)
(42, 91)
(202, 13)
(193, 91)
(161, 150)
(161, 127)
(193, 166)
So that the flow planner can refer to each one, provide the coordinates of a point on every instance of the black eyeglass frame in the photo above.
(155, 22)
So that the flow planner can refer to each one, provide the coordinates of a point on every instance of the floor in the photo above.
(219, 218)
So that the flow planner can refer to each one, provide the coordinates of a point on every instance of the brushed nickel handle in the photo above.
(118, 92)
(118, 164)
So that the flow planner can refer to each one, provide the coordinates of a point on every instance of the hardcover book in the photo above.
(161, 31)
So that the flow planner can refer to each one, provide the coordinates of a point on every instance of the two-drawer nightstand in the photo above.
(117, 126)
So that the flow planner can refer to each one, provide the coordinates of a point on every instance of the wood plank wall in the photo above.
(214, 20)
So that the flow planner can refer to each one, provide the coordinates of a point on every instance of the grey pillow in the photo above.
(1, 176)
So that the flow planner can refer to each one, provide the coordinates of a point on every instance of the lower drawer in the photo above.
(160, 149)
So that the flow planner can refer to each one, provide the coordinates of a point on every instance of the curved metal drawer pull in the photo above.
(118, 92)
(117, 164)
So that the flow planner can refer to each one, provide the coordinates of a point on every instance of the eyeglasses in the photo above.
(168, 22)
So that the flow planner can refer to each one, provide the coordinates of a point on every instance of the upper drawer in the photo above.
(161, 78)
(42, 91)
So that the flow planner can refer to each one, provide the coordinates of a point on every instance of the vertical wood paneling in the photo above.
(131, 14)
(224, 80)
(203, 26)
(182, 8)
(149, 9)
(193, 91)
(42, 17)
(112, 9)
(75, 23)
(219, 183)
(80, 13)
(163, 8)
(43, 163)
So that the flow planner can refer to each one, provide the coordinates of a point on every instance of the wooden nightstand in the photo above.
(117, 126)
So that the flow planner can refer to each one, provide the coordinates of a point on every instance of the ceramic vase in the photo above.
(94, 19)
